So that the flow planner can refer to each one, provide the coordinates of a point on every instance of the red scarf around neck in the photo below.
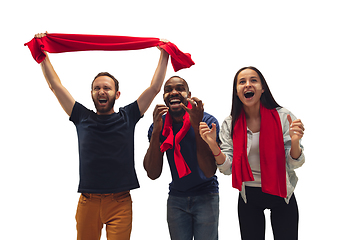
(59, 42)
(272, 153)
(181, 166)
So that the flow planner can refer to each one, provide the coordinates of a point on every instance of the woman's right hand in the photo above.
(207, 134)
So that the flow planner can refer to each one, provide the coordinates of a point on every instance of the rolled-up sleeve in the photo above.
(291, 163)
(226, 145)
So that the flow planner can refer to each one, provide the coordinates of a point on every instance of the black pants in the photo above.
(284, 217)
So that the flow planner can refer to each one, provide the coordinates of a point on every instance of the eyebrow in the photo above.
(105, 85)
(250, 77)
(177, 85)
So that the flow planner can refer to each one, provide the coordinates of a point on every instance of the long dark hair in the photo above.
(266, 98)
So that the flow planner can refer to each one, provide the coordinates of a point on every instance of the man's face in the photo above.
(176, 91)
(104, 95)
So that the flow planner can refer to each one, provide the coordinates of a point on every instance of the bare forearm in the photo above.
(218, 154)
(146, 98)
(209, 136)
(160, 71)
(205, 157)
(62, 94)
(49, 73)
(153, 159)
(295, 150)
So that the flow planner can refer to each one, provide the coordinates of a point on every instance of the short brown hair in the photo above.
(110, 76)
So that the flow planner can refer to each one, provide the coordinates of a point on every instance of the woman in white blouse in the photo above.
(260, 145)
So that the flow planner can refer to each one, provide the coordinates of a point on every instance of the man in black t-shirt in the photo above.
(106, 150)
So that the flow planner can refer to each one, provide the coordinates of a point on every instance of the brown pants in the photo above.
(114, 210)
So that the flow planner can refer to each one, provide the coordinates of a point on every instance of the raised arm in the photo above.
(209, 136)
(149, 94)
(153, 160)
(204, 155)
(296, 132)
(62, 94)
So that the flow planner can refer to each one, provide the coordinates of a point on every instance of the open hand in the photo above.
(207, 134)
(196, 113)
(159, 111)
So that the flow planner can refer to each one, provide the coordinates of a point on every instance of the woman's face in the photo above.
(249, 87)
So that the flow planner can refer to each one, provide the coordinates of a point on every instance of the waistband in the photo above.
(118, 195)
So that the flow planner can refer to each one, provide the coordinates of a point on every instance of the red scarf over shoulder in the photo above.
(181, 166)
(58, 43)
(272, 154)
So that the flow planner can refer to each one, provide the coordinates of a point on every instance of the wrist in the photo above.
(216, 154)
(295, 144)
(215, 149)
(163, 53)
(295, 151)
(156, 131)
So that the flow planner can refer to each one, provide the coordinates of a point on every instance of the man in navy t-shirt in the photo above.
(106, 150)
(193, 202)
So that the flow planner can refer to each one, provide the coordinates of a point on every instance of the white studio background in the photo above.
(308, 52)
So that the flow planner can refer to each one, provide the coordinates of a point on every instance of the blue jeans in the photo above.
(196, 216)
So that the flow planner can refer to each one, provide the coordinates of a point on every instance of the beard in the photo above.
(179, 113)
(104, 109)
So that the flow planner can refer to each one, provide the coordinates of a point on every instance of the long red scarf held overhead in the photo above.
(272, 154)
(181, 166)
(58, 43)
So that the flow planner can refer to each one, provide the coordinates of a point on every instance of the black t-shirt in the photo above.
(106, 149)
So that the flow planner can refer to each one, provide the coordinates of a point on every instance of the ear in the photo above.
(117, 95)
(189, 94)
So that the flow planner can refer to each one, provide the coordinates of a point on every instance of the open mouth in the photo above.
(175, 101)
(249, 94)
(102, 101)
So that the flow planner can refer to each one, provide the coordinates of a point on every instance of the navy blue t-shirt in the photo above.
(195, 183)
(106, 149)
